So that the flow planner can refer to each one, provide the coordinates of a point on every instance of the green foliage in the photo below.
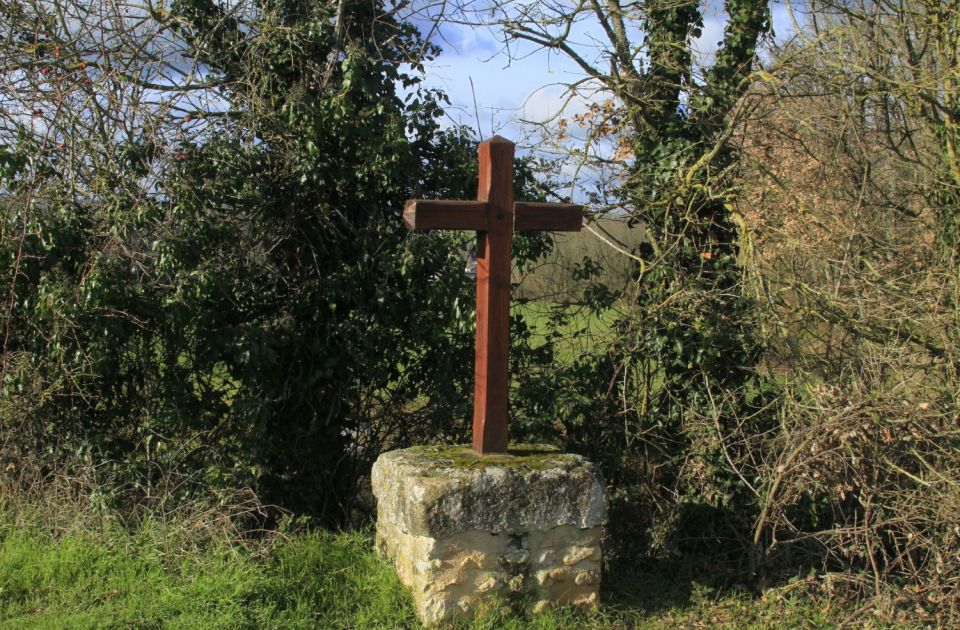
(333, 326)
(687, 348)
(230, 295)
(655, 398)
(239, 301)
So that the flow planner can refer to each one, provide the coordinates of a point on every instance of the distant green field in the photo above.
(553, 279)
(549, 297)
(576, 329)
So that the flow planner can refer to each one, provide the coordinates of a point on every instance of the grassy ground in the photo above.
(116, 579)
(578, 331)
(549, 297)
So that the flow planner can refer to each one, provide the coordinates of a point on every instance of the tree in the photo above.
(677, 376)
(851, 203)
(207, 277)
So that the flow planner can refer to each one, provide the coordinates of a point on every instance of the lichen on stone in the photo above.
(522, 456)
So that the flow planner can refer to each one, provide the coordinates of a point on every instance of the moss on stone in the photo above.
(435, 490)
(523, 456)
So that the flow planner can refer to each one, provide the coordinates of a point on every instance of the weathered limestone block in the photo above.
(463, 529)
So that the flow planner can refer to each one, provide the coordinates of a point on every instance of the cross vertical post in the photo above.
(494, 216)
(491, 381)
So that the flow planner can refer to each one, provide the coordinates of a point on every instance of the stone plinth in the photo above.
(463, 529)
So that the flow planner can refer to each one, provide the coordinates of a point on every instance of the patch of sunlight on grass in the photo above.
(115, 578)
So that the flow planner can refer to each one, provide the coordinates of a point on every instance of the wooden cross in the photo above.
(495, 216)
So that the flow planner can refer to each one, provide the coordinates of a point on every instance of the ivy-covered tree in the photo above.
(659, 138)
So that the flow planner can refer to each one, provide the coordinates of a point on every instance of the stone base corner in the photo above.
(464, 530)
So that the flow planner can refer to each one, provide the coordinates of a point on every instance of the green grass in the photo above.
(117, 579)
(577, 330)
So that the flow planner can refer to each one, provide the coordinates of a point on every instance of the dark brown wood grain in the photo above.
(491, 384)
(424, 214)
(549, 217)
(495, 217)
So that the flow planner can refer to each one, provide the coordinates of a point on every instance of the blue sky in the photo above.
(530, 85)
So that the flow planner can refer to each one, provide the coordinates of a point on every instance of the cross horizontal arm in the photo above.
(424, 214)
(550, 217)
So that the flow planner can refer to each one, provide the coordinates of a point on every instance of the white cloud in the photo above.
(469, 42)
(551, 102)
